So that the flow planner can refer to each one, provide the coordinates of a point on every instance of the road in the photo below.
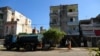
(57, 52)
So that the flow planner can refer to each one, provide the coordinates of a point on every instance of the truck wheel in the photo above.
(34, 47)
(17, 48)
(28, 48)
(8, 47)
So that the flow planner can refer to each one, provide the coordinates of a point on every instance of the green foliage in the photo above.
(94, 50)
(22, 34)
(54, 34)
(26, 34)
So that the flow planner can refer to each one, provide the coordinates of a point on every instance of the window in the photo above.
(54, 21)
(55, 11)
(17, 19)
(73, 28)
(71, 19)
(12, 13)
(12, 19)
(1, 16)
(12, 29)
(70, 10)
(6, 29)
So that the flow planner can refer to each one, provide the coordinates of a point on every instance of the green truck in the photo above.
(27, 42)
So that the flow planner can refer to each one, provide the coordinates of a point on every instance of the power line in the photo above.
(33, 24)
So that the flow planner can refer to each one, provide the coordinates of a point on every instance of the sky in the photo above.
(38, 10)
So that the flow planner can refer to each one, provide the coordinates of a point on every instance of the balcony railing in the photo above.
(87, 28)
(89, 35)
(72, 23)
(53, 14)
(96, 28)
(92, 25)
(72, 13)
(1, 12)
(85, 33)
(73, 33)
(77, 33)
(83, 25)
(96, 25)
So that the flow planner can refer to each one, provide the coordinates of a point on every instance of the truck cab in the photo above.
(10, 41)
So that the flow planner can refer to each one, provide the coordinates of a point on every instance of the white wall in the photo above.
(19, 29)
(20, 17)
(10, 29)
(9, 15)
(21, 26)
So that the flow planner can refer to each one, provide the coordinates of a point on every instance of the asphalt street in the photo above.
(56, 52)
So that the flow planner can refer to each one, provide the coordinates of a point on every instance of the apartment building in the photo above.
(65, 18)
(14, 22)
(90, 30)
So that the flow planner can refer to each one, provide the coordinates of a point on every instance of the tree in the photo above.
(54, 34)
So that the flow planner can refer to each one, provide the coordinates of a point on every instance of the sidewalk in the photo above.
(77, 48)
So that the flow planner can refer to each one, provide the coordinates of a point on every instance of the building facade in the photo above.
(65, 17)
(42, 30)
(14, 20)
(90, 31)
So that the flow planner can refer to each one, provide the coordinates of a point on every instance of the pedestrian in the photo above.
(69, 44)
(66, 43)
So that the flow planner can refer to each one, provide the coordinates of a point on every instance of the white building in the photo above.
(15, 22)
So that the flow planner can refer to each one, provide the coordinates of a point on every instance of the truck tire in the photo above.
(34, 47)
(28, 47)
(8, 47)
(17, 48)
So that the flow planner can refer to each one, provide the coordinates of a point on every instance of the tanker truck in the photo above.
(27, 42)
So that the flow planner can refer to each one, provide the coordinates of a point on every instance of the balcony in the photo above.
(87, 28)
(73, 33)
(72, 23)
(90, 26)
(53, 14)
(52, 23)
(72, 13)
(76, 33)
(83, 25)
(96, 28)
(1, 12)
(88, 33)
(96, 25)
